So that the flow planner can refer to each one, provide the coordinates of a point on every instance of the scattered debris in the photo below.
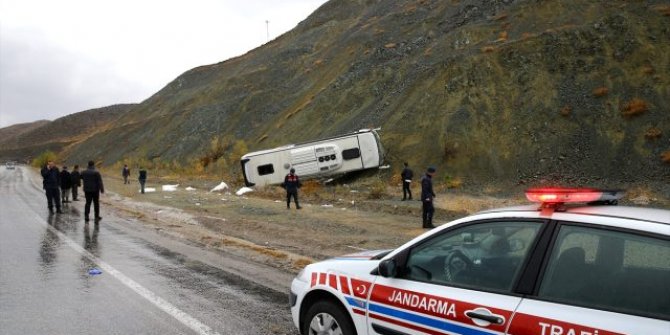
(147, 190)
(94, 271)
(221, 187)
(384, 167)
(189, 188)
(243, 190)
(169, 188)
(167, 197)
(327, 206)
(641, 200)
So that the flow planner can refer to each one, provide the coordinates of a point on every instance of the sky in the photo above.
(67, 56)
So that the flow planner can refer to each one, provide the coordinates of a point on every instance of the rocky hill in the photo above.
(9, 135)
(487, 90)
(57, 135)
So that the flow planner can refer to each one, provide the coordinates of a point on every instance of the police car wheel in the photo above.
(327, 318)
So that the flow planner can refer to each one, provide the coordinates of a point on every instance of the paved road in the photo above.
(150, 284)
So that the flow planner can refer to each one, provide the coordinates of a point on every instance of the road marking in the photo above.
(181, 316)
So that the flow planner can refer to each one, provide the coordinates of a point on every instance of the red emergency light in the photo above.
(559, 195)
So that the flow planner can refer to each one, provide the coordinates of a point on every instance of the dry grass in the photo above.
(390, 45)
(652, 133)
(665, 157)
(311, 188)
(502, 37)
(600, 92)
(634, 107)
(453, 182)
(663, 9)
(302, 262)
(648, 70)
(566, 111)
(377, 190)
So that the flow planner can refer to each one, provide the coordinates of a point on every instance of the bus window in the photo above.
(352, 153)
(265, 169)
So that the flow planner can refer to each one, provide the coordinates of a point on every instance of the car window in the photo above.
(485, 256)
(611, 270)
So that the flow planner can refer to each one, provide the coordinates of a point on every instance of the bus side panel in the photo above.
(369, 150)
(278, 161)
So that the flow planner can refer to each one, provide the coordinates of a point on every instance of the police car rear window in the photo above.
(610, 270)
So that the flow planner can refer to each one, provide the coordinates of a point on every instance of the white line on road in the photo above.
(186, 319)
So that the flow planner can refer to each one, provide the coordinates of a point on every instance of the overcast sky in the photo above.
(66, 56)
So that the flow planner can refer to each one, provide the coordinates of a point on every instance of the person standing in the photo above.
(125, 173)
(427, 197)
(406, 176)
(65, 184)
(51, 185)
(75, 178)
(93, 187)
(292, 184)
(142, 179)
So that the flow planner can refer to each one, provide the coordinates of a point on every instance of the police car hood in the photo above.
(364, 255)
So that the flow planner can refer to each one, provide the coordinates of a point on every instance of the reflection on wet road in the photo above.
(47, 287)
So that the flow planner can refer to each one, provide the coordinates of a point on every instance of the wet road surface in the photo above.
(148, 285)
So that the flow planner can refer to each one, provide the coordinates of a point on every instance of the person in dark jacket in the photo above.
(93, 187)
(142, 178)
(75, 179)
(51, 185)
(292, 184)
(125, 173)
(65, 184)
(427, 197)
(406, 176)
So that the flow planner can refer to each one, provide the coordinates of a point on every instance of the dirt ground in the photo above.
(258, 226)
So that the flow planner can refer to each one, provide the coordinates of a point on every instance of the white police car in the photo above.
(560, 269)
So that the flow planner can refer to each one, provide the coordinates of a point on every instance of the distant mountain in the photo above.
(58, 134)
(9, 135)
(490, 91)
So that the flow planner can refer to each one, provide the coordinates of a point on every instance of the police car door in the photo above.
(457, 282)
(601, 280)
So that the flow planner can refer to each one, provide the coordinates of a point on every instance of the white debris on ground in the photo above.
(147, 190)
(219, 188)
(384, 167)
(641, 200)
(189, 188)
(169, 188)
(243, 190)
(327, 206)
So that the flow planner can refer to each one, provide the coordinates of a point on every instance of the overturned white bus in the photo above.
(336, 155)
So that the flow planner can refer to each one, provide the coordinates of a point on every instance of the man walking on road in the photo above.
(142, 179)
(51, 185)
(92, 189)
(75, 177)
(427, 197)
(125, 173)
(406, 176)
(65, 184)
(292, 184)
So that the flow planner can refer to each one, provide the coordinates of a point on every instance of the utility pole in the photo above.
(267, 30)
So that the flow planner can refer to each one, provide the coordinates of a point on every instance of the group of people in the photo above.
(58, 185)
(292, 183)
(427, 193)
(142, 178)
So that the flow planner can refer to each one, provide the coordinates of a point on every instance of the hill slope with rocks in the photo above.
(574, 91)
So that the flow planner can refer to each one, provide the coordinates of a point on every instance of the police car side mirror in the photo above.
(388, 268)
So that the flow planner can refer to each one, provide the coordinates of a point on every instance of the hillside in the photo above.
(57, 135)
(9, 134)
(488, 91)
